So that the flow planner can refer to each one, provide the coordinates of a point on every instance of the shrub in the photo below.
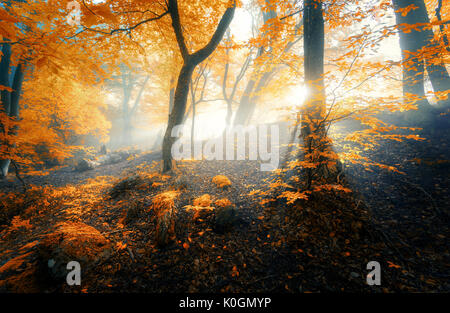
(221, 181)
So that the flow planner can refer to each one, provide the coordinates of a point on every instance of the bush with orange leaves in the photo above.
(163, 204)
(221, 181)
(203, 201)
(223, 203)
(201, 206)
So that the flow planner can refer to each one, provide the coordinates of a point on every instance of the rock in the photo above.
(86, 165)
(72, 241)
(112, 158)
(225, 218)
(354, 274)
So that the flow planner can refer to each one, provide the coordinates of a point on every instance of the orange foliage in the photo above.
(221, 181)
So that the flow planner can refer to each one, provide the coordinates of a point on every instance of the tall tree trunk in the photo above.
(190, 62)
(254, 86)
(414, 65)
(126, 115)
(10, 100)
(193, 127)
(317, 147)
(4, 76)
(177, 114)
(249, 98)
(243, 110)
(171, 95)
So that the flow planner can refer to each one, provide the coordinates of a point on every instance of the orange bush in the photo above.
(221, 181)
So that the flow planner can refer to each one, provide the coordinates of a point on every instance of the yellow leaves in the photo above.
(221, 181)
(390, 264)
(234, 271)
(17, 223)
(200, 204)
(222, 203)
(14, 263)
(291, 196)
(164, 201)
(5, 88)
(41, 61)
(404, 11)
(279, 183)
(203, 201)
(408, 28)
(5, 16)
(329, 187)
(105, 12)
(256, 192)
(120, 245)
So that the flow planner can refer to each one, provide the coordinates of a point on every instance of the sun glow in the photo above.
(208, 125)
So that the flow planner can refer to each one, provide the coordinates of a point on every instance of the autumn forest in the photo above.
(224, 146)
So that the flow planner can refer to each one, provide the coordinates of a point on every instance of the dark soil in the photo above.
(322, 244)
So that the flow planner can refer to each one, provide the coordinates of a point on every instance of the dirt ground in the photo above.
(322, 244)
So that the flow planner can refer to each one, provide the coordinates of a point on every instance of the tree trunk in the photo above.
(5, 97)
(248, 100)
(10, 100)
(250, 97)
(177, 113)
(245, 103)
(4, 76)
(317, 146)
(190, 62)
(193, 126)
(413, 63)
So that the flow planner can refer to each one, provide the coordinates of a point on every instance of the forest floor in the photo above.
(316, 245)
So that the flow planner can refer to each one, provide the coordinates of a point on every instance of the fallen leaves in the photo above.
(221, 181)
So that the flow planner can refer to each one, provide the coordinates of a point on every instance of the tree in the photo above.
(229, 97)
(190, 61)
(10, 97)
(259, 78)
(273, 45)
(318, 155)
(196, 87)
(128, 81)
(11, 79)
(419, 52)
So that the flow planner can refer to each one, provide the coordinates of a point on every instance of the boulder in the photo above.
(72, 241)
(225, 218)
(86, 165)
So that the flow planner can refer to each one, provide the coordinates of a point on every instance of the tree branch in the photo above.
(227, 17)
(176, 24)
